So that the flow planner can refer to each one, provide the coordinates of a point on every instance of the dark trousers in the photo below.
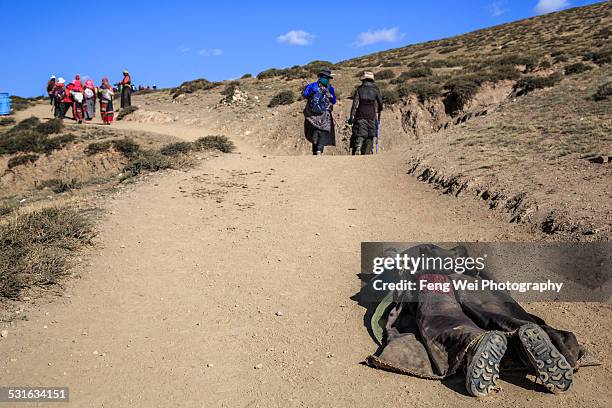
(61, 108)
(318, 141)
(450, 322)
(364, 132)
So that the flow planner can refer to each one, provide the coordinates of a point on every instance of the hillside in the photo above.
(517, 115)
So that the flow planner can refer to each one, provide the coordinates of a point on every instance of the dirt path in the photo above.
(180, 300)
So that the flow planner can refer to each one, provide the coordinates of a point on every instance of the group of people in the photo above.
(319, 127)
(82, 97)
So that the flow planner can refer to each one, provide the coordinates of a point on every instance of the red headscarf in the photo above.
(89, 84)
(76, 84)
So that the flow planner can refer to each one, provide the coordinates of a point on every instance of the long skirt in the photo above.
(106, 110)
(77, 111)
(126, 97)
(90, 108)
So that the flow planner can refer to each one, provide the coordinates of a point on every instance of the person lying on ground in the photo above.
(435, 333)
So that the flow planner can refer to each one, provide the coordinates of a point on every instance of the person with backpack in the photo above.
(75, 93)
(59, 99)
(319, 127)
(90, 100)
(365, 115)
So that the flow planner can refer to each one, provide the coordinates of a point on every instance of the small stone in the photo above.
(44, 327)
(4, 333)
(279, 313)
(210, 365)
(317, 234)
(95, 353)
(258, 366)
(122, 246)
(311, 362)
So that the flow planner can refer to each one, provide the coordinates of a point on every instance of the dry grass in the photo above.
(35, 248)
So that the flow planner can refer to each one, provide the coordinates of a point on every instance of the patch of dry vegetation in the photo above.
(35, 248)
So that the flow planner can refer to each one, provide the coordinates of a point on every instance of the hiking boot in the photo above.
(482, 371)
(552, 368)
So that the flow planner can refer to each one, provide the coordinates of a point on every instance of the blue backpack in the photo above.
(319, 103)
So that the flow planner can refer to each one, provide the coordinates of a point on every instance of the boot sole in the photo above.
(483, 372)
(552, 368)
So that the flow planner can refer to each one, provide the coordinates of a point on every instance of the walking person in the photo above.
(75, 92)
(365, 115)
(319, 127)
(50, 88)
(90, 100)
(106, 101)
(59, 99)
(126, 90)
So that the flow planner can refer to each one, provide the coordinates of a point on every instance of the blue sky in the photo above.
(168, 42)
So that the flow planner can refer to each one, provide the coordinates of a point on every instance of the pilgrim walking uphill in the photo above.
(90, 100)
(365, 115)
(106, 101)
(76, 96)
(319, 127)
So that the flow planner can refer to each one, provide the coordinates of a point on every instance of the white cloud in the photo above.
(296, 37)
(214, 52)
(498, 8)
(372, 37)
(183, 49)
(548, 6)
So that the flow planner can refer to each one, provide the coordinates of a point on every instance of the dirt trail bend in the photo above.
(229, 285)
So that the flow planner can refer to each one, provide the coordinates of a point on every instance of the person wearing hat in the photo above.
(50, 88)
(319, 127)
(126, 90)
(61, 99)
(365, 115)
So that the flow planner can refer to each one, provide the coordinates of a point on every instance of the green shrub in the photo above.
(603, 92)
(600, 57)
(126, 146)
(384, 74)
(531, 83)
(147, 161)
(390, 96)
(286, 97)
(577, 68)
(193, 86)
(460, 92)
(174, 149)
(126, 111)
(417, 72)
(26, 137)
(51, 126)
(7, 121)
(221, 143)
(423, 90)
(55, 143)
(245, 76)
(21, 160)
(314, 67)
(97, 147)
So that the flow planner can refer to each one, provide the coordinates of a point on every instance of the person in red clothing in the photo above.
(106, 101)
(126, 90)
(76, 96)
